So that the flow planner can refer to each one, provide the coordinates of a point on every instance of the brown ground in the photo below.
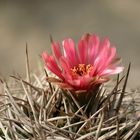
(32, 22)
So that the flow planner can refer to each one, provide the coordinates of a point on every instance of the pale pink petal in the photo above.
(66, 68)
(105, 43)
(52, 66)
(111, 55)
(64, 64)
(102, 55)
(56, 50)
(83, 49)
(93, 48)
(111, 71)
(107, 59)
(45, 57)
(70, 51)
(104, 48)
(115, 62)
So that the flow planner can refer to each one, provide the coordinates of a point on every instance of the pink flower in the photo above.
(84, 67)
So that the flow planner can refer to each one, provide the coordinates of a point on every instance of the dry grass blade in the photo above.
(43, 111)
(135, 129)
(49, 82)
(32, 108)
(66, 111)
(90, 119)
(106, 100)
(38, 81)
(78, 106)
(50, 100)
(4, 130)
(63, 132)
(28, 68)
(100, 126)
(57, 118)
(83, 137)
(117, 128)
(73, 124)
(112, 108)
(27, 83)
(30, 101)
(12, 101)
(123, 90)
(113, 132)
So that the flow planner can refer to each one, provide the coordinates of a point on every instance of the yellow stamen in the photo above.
(81, 69)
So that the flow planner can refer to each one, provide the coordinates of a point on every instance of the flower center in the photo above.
(81, 69)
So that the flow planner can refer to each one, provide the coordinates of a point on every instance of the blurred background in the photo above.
(32, 21)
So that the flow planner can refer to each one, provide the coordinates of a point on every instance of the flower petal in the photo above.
(93, 48)
(56, 50)
(86, 67)
(52, 66)
(82, 48)
(111, 55)
(45, 57)
(70, 52)
(101, 58)
(112, 71)
(66, 68)
(111, 52)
